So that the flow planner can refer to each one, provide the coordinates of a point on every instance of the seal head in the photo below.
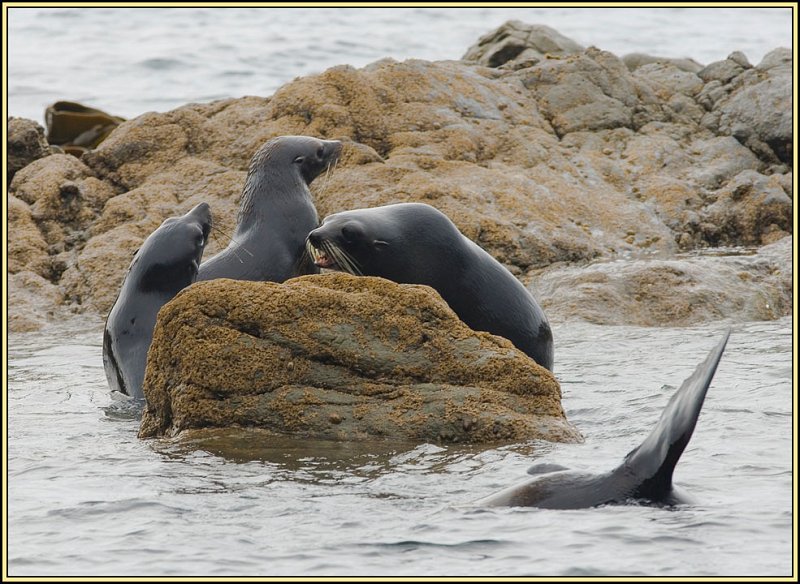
(165, 264)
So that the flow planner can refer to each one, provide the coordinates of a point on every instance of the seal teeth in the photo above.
(312, 251)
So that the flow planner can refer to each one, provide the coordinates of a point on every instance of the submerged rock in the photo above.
(339, 357)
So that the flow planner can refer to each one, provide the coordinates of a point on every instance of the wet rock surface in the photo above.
(567, 160)
(335, 356)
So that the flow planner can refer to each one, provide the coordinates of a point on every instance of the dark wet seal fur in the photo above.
(165, 264)
(414, 243)
(644, 477)
(276, 212)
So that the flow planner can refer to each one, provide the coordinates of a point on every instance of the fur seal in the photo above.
(414, 243)
(645, 476)
(276, 212)
(164, 265)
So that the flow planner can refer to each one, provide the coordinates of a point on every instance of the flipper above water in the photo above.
(645, 474)
(653, 461)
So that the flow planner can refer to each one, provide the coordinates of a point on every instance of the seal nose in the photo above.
(314, 238)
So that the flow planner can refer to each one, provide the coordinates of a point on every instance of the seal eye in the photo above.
(299, 160)
(350, 234)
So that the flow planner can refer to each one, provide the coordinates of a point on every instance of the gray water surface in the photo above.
(87, 497)
(128, 61)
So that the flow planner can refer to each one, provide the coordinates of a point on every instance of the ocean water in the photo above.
(131, 60)
(87, 498)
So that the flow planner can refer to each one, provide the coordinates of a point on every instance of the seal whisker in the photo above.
(302, 266)
(218, 240)
(326, 179)
(230, 238)
(325, 249)
(354, 267)
(344, 259)
(311, 250)
(331, 250)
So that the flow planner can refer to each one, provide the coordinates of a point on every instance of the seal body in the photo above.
(414, 243)
(167, 262)
(275, 213)
(645, 476)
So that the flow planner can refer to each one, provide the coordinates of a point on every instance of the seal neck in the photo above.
(267, 193)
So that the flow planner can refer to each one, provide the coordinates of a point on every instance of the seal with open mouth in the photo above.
(414, 243)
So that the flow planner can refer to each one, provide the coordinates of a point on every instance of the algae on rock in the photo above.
(335, 356)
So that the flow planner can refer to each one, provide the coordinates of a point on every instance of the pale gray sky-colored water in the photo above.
(131, 60)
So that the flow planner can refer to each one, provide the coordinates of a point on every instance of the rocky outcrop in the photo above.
(683, 291)
(573, 159)
(516, 45)
(35, 301)
(635, 60)
(26, 143)
(339, 357)
(754, 104)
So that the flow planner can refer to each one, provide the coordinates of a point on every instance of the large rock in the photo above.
(26, 143)
(27, 249)
(56, 201)
(518, 44)
(341, 357)
(36, 301)
(675, 292)
(573, 159)
(755, 104)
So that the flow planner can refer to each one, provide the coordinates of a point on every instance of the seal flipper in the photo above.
(649, 466)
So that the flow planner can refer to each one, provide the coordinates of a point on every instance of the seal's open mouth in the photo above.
(330, 256)
(322, 258)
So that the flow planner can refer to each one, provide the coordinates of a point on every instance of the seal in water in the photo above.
(276, 212)
(645, 476)
(414, 243)
(166, 263)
